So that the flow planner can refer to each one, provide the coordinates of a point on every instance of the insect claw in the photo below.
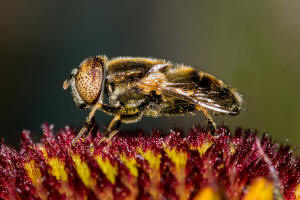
(103, 139)
(211, 127)
(108, 136)
(81, 132)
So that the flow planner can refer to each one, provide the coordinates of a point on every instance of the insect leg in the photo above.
(211, 124)
(85, 130)
(115, 124)
(90, 121)
(112, 128)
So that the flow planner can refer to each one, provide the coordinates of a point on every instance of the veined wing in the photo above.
(194, 87)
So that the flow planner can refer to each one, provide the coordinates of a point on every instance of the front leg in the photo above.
(86, 129)
(90, 121)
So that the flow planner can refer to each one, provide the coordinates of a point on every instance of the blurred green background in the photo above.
(253, 46)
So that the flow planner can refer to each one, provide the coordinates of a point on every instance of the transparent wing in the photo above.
(194, 87)
(219, 99)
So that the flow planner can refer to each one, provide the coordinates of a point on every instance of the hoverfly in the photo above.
(133, 87)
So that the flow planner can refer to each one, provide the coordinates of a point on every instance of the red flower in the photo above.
(198, 166)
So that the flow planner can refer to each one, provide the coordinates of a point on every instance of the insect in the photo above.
(128, 88)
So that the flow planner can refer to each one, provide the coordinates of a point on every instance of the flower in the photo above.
(197, 166)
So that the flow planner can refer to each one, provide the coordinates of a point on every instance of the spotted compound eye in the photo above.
(88, 79)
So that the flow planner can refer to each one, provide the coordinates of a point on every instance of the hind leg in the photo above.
(210, 122)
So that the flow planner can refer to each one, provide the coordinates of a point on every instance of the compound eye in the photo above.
(88, 79)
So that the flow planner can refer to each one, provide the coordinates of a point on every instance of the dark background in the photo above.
(253, 46)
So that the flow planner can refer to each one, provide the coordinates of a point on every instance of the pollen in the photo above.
(36, 178)
(260, 189)
(83, 170)
(34, 173)
(42, 148)
(58, 169)
(207, 194)
(202, 148)
(129, 110)
(107, 168)
(297, 192)
(130, 164)
(179, 158)
(152, 158)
